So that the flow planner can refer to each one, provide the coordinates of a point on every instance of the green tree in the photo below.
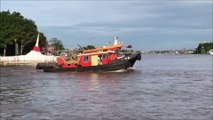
(203, 48)
(13, 27)
(88, 47)
(6, 30)
(57, 44)
(30, 35)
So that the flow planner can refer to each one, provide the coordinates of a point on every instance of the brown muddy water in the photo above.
(161, 87)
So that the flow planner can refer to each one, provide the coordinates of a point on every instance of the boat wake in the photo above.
(123, 70)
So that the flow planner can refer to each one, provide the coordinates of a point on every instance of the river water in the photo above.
(161, 87)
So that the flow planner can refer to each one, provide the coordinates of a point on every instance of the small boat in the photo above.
(211, 51)
(102, 59)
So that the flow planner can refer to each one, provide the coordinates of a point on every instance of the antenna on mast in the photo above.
(116, 40)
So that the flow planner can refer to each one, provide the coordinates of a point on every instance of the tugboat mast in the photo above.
(116, 40)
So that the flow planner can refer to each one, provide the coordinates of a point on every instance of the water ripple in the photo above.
(166, 87)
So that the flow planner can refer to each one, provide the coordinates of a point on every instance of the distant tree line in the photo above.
(57, 44)
(204, 48)
(88, 47)
(16, 31)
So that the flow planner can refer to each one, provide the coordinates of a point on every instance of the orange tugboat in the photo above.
(96, 60)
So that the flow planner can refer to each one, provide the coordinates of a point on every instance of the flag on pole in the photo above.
(129, 46)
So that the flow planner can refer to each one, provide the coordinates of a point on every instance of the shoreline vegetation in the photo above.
(203, 48)
(18, 34)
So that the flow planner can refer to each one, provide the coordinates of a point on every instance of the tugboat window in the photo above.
(117, 51)
(86, 58)
(105, 56)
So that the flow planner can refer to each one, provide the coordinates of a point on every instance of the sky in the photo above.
(145, 24)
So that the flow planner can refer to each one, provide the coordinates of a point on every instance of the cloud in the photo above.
(80, 20)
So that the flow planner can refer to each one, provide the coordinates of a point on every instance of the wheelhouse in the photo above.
(99, 56)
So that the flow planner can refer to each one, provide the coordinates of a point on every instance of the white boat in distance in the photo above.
(211, 51)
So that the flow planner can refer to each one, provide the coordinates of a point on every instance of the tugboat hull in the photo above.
(118, 64)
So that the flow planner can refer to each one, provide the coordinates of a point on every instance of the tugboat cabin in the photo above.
(99, 56)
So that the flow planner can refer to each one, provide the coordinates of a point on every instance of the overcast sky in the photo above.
(145, 24)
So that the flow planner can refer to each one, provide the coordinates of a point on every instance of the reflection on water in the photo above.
(161, 87)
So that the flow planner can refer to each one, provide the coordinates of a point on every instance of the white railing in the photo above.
(25, 59)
